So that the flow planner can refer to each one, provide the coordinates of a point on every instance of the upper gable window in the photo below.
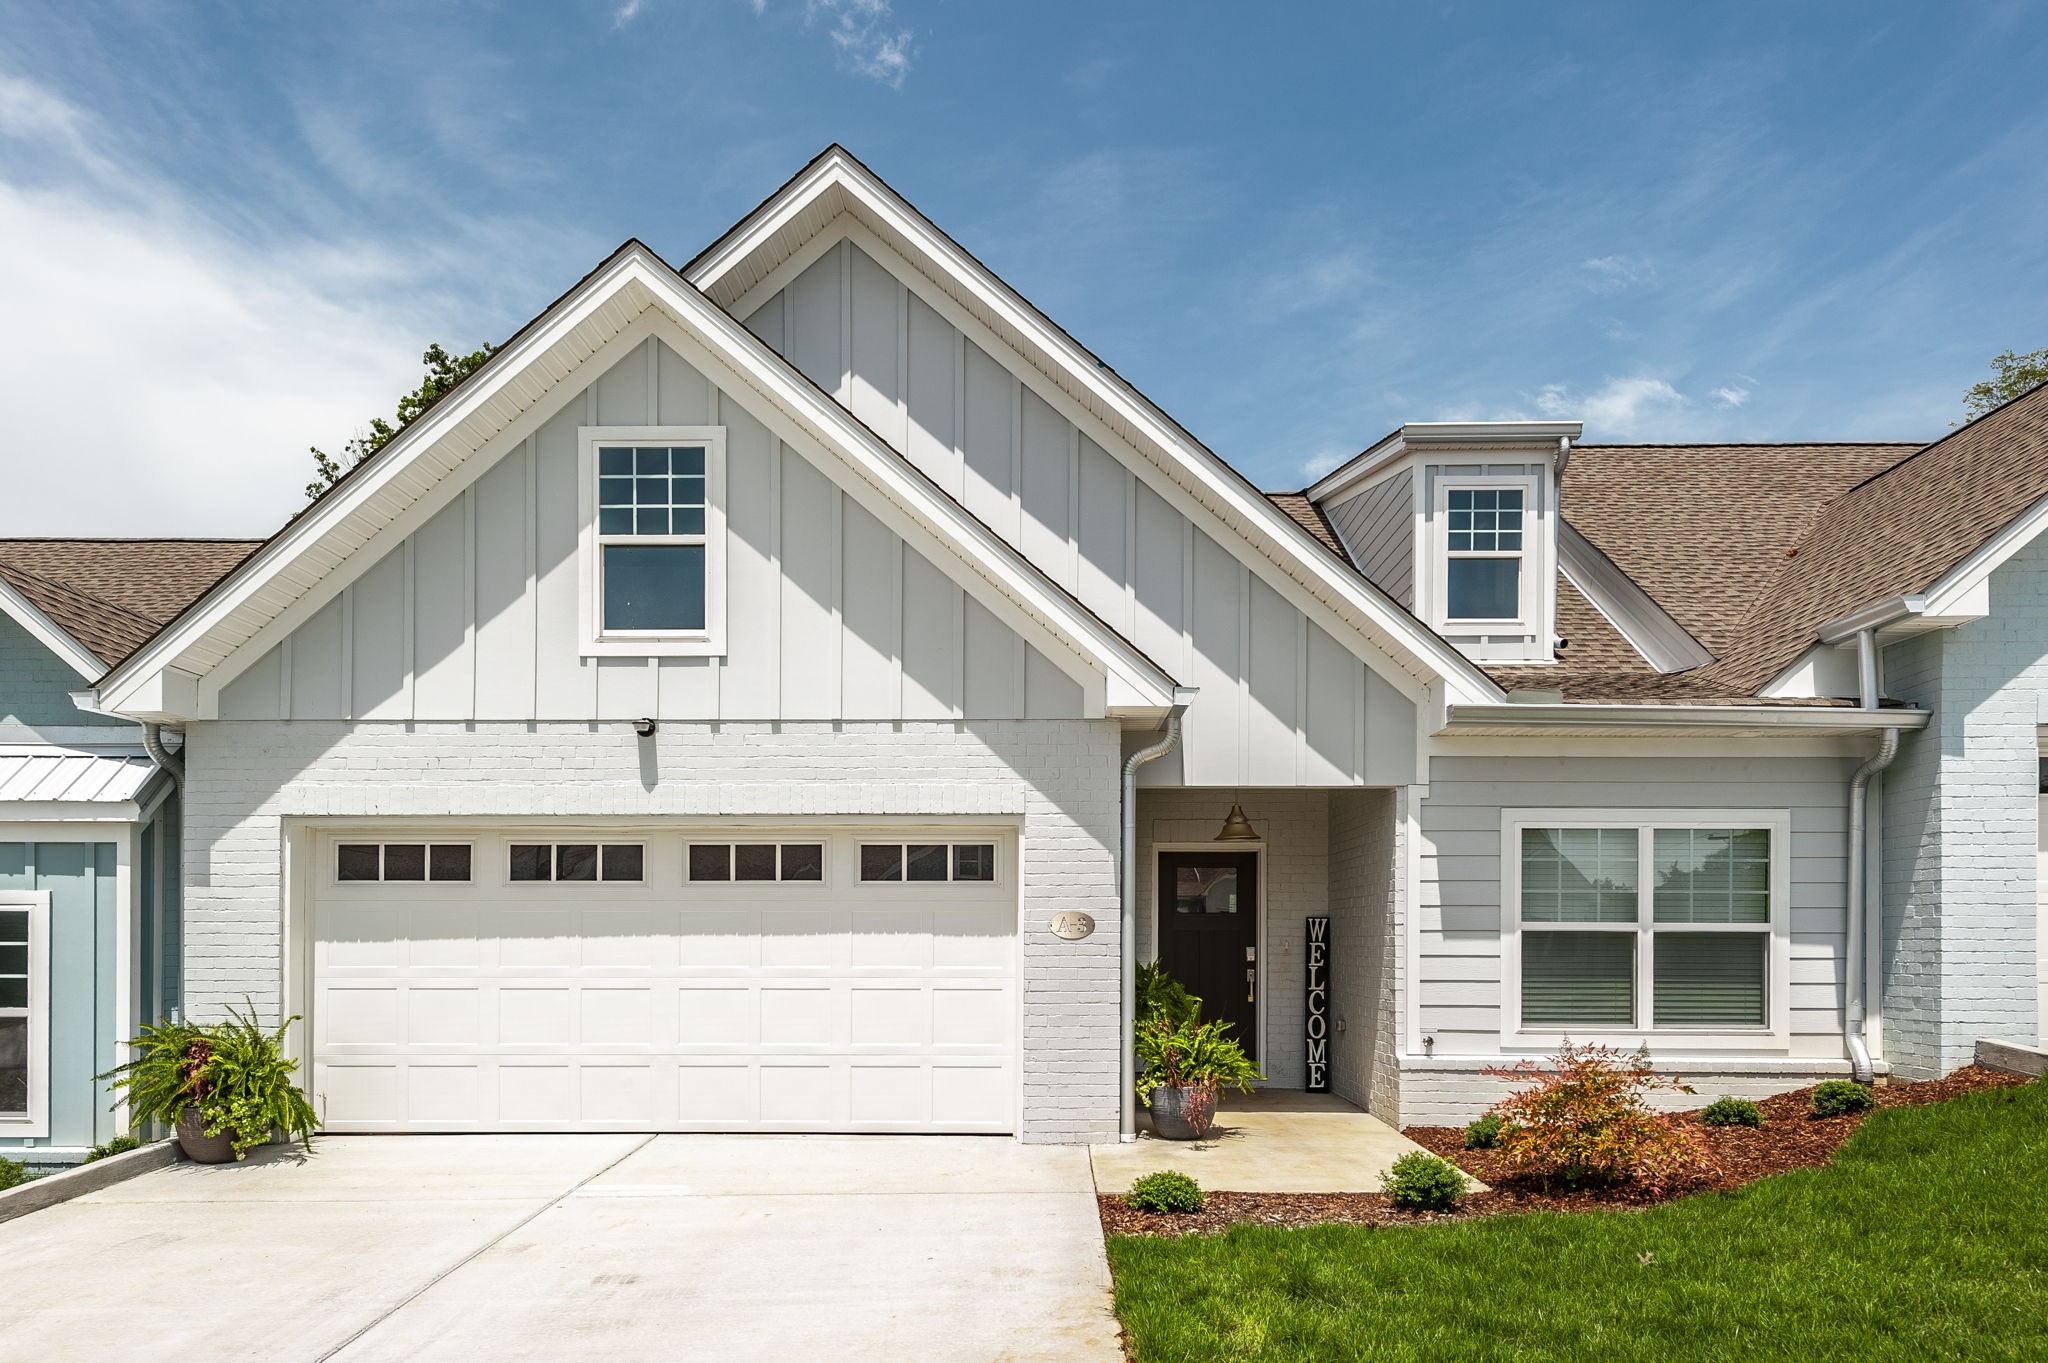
(653, 542)
(1485, 541)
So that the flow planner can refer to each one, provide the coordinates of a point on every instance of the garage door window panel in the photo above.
(756, 862)
(928, 863)
(446, 863)
(576, 862)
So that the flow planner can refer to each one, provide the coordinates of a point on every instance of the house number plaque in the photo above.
(1317, 1019)
(1072, 926)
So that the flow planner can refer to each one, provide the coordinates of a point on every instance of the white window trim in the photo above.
(35, 1121)
(1527, 589)
(1776, 1035)
(596, 642)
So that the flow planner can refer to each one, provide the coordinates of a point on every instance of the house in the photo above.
(792, 691)
(89, 841)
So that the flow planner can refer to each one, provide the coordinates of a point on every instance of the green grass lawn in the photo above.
(1927, 1239)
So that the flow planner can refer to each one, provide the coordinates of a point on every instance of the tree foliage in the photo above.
(2012, 376)
(444, 371)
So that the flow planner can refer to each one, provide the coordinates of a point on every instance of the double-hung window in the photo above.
(653, 540)
(24, 1012)
(1483, 536)
(1647, 924)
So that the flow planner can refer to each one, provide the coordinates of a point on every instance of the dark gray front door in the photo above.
(1209, 933)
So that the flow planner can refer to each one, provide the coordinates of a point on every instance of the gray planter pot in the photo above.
(1183, 1114)
(199, 1147)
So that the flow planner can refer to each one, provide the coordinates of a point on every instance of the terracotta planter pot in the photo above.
(1183, 1114)
(199, 1147)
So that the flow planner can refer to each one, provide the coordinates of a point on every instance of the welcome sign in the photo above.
(1318, 1011)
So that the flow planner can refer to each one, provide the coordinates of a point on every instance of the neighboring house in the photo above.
(720, 712)
(89, 841)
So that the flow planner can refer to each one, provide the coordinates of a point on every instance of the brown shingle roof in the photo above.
(113, 595)
(1896, 534)
(1310, 517)
(1705, 529)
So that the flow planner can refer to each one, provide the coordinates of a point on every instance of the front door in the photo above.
(1209, 934)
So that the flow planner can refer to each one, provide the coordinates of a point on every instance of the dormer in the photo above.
(1457, 520)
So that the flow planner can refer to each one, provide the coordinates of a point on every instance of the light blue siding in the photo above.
(82, 883)
(36, 685)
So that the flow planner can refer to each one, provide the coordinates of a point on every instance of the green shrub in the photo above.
(1165, 1191)
(1195, 1055)
(1585, 1119)
(13, 1173)
(1840, 1097)
(1732, 1112)
(1423, 1183)
(1162, 996)
(120, 1145)
(233, 1073)
(1484, 1134)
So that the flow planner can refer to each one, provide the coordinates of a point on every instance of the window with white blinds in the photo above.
(1645, 925)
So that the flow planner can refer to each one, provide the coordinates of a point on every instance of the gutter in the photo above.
(1128, 923)
(1466, 719)
(1864, 900)
(170, 763)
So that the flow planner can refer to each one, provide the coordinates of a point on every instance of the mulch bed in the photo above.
(1790, 1138)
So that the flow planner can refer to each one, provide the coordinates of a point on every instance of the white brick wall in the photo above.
(1366, 953)
(1960, 830)
(247, 780)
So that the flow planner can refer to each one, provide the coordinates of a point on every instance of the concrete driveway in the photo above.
(574, 1247)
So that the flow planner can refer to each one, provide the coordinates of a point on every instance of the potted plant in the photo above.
(225, 1087)
(1186, 1064)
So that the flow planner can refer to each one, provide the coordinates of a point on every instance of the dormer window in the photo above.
(1484, 537)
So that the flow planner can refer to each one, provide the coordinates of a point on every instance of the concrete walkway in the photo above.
(575, 1247)
(1267, 1141)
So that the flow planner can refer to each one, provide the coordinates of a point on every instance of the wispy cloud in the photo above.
(1612, 274)
(1621, 406)
(630, 10)
(1316, 283)
(866, 36)
(1730, 396)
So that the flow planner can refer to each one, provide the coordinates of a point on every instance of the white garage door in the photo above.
(550, 979)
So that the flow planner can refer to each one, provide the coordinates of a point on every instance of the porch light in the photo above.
(1237, 828)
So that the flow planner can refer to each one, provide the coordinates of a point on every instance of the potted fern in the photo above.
(1186, 1064)
(224, 1087)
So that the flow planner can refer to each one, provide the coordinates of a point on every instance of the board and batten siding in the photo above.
(829, 614)
(1460, 913)
(1281, 702)
(82, 878)
(1378, 526)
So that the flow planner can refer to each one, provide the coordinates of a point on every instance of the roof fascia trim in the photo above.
(49, 633)
(1649, 629)
(1700, 718)
(837, 169)
(1414, 437)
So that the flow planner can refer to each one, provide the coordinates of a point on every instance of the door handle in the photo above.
(1251, 986)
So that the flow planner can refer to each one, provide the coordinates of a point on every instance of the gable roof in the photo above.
(837, 183)
(1900, 533)
(1310, 517)
(410, 477)
(112, 595)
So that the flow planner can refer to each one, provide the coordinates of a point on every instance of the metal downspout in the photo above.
(1128, 940)
(153, 744)
(1863, 889)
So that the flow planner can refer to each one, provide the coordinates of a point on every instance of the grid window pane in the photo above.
(927, 862)
(1578, 979)
(448, 862)
(623, 861)
(13, 991)
(615, 520)
(532, 862)
(650, 460)
(14, 1064)
(405, 861)
(576, 861)
(356, 861)
(654, 587)
(1709, 979)
(803, 861)
(14, 959)
(1579, 875)
(650, 520)
(974, 861)
(613, 459)
(710, 861)
(753, 861)
(1712, 875)
(1482, 588)
(881, 862)
(687, 461)
(615, 492)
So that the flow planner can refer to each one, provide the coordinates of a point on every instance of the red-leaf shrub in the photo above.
(1585, 1119)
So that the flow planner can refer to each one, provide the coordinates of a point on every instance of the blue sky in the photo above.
(227, 231)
